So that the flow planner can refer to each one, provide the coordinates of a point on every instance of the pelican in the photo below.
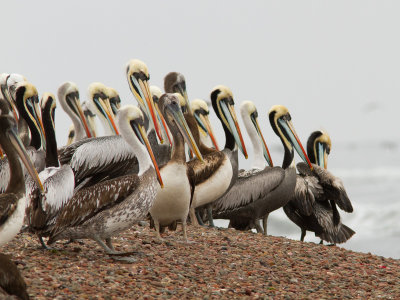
(255, 195)
(200, 111)
(58, 182)
(68, 95)
(12, 201)
(111, 155)
(27, 105)
(115, 100)
(8, 84)
(173, 201)
(217, 175)
(317, 194)
(90, 120)
(156, 93)
(107, 208)
(100, 103)
(11, 281)
(174, 82)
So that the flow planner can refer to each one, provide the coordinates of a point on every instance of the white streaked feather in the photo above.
(58, 184)
(101, 151)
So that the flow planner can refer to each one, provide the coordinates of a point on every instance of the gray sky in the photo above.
(335, 65)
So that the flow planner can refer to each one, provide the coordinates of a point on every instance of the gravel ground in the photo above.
(218, 263)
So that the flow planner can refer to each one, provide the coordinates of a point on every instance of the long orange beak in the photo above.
(153, 159)
(206, 122)
(82, 117)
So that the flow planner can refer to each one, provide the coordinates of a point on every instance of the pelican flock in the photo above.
(96, 187)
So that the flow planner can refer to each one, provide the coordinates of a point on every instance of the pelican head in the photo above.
(8, 84)
(174, 82)
(318, 148)
(100, 102)
(115, 100)
(90, 118)
(138, 79)
(156, 94)
(223, 105)
(281, 123)
(68, 95)
(249, 111)
(27, 102)
(9, 131)
(170, 108)
(48, 107)
(200, 111)
(130, 118)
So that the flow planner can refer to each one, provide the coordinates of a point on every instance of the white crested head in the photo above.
(30, 89)
(136, 66)
(96, 88)
(46, 97)
(128, 113)
(155, 91)
(182, 101)
(66, 88)
(198, 104)
(224, 92)
(247, 108)
(111, 92)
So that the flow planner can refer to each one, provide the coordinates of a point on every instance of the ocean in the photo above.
(370, 172)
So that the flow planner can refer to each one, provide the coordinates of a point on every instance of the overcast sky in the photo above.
(334, 64)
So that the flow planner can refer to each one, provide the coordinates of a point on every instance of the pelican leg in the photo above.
(193, 217)
(209, 216)
(303, 234)
(109, 244)
(258, 227)
(265, 223)
(157, 226)
(184, 231)
(44, 246)
(121, 256)
(199, 219)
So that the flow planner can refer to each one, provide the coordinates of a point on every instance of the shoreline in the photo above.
(218, 263)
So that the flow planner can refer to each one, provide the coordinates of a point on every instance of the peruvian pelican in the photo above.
(217, 175)
(200, 111)
(68, 95)
(156, 93)
(90, 120)
(115, 100)
(100, 103)
(109, 207)
(256, 194)
(317, 194)
(27, 104)
(173, 201)
(12, 201)
(111, 155)
(11, 280)
(58, 181)
(174, 82)
(8, 84)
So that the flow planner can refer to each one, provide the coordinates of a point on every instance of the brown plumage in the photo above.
(11, 281)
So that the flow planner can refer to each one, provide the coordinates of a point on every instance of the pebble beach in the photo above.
(218, 263)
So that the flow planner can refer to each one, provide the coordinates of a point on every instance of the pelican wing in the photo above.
(108, 154)
(58, 185)
(333, 188)
(4, 174)
(200, 172)
(249, 187)
(92, 200)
